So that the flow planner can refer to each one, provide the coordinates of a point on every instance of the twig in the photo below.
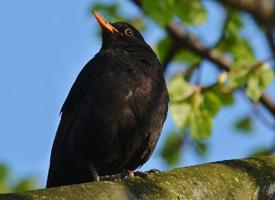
(271, 42)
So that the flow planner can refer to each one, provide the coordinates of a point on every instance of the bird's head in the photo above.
(118, 33)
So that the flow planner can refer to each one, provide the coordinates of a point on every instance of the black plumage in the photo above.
(115, 110)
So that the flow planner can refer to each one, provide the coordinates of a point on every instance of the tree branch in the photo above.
(262, 10)
(270, 38)
(218, 58)
(193, 44)
(232, 179)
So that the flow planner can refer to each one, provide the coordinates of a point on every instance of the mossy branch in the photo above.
(251, 178)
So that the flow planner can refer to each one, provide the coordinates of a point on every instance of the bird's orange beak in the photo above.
(105, 25)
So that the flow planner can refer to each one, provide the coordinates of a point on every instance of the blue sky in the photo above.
(44, 45)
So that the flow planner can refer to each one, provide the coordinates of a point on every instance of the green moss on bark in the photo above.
(233, 179)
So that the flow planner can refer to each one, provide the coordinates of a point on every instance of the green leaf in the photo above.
(179, 89)
(160, 11)
(163, 47)
(18, 186)
(211, 103)
(238, 76)
(259, 79)
(266, 76)
(25, 184)
(244, 124)
(234, 43)
(4, 173)
(200, 123)
(224, 93)
(253, 89)
(261, 152)
(166, 44)
(189, 12)
(180, 113)
(4, 176)
(171, 150)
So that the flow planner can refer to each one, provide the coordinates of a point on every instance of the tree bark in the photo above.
(252, 178)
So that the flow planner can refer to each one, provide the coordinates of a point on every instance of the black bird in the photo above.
(115, 110)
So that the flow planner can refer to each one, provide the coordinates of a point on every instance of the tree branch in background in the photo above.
(193, 44)
(263, 11)
(268, 103)
(270, 38)
(170, 55)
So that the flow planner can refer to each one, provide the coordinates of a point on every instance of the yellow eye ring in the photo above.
(129, 32)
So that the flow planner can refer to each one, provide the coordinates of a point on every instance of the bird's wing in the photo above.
(87, 75)
(71, 106)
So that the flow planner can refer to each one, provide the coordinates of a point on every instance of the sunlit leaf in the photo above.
(180, 113)
(235, 44)
(160, 11)
(179, 89)
(195, 16)
(253, 89)
(238, 75)
(200, 122)
(266, 76)
(164, 11)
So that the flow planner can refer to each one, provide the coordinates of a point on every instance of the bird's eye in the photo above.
(129, 32)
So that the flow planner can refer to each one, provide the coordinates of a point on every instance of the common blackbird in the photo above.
(115, 110)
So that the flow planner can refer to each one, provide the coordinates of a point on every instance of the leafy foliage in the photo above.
(166, 44)
(256, 78)
(170, 9)
(264, 151)
(195, 108)
(6, 186)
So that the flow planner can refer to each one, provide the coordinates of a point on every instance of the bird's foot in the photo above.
(120, 175)
(129, 173)
(123, 174)
(95, 175)
(141, 174)
(153, 171)
(146, 173)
